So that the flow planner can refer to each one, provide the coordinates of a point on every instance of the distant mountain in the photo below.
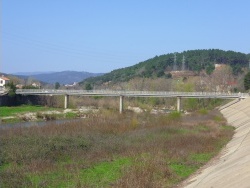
(161, 66)
(30, 73)
(64, 77)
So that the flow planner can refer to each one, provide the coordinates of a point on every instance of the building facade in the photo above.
(3, 81)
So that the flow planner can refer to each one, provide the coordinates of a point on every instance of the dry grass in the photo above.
(155, 147)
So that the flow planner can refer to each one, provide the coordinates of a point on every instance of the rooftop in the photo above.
(4, 78)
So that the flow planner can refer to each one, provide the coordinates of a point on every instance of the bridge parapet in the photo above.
(132, 93)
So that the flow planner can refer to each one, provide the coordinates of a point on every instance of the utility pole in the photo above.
(175, 66)
(183, 63)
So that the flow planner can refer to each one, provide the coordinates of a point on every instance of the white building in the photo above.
(3, 81)
(36, 85)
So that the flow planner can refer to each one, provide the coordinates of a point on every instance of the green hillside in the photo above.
(161, 66)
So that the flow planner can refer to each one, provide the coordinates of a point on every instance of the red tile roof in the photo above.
(4, 78)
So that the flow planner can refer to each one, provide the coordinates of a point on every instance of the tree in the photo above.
(12, 89)
(247, 81)
(30, 87)
(210, 68)
(221, 79)
(57, 85)
(88, 86)
(169, 75)
(160, 73)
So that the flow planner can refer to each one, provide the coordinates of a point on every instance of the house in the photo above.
(69, 85)
(219, 66)
(3, 81)
(36, 85)
(19, 86)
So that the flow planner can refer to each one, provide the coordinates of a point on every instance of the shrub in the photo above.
(174, 116)
(247, 81)
(39, 115)
(203, 111)
(49, 117)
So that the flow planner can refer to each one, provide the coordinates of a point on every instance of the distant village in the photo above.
(31, 84)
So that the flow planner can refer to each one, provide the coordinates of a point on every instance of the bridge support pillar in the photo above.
(66, 101)
(121, 104)
(178, 104)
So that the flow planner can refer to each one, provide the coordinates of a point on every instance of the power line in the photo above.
(52, 47)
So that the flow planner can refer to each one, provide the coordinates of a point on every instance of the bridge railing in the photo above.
(131, 93)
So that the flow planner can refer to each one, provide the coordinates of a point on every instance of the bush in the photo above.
(203, 111)
(39, 115)
(174, 116)
(49, 117)
(247, 81)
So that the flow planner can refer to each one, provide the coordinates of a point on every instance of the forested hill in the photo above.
(160, 66)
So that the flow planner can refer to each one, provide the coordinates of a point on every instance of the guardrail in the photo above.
(132, 93)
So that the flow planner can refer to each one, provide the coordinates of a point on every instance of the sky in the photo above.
(99, 36)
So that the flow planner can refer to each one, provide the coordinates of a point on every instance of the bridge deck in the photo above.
(132, 93)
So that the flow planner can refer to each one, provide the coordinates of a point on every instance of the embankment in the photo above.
(232, 168)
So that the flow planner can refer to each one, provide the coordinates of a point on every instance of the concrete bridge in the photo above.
(123, 93)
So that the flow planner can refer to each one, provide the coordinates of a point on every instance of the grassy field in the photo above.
(26, 113)
(111, 150)
(12, 111)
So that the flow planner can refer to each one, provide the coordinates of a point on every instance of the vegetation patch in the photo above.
(219, 118)
(27, 113)
(12, 111)
(71, 115)
(174, 116)
(104, 173)
(201, 157)
(203, 111)
(52, 179)
(111, 150)
(10, 120)
(202, 127)
(182, 169)
(227, 127)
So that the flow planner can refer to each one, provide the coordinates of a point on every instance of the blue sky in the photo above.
(100, 36)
